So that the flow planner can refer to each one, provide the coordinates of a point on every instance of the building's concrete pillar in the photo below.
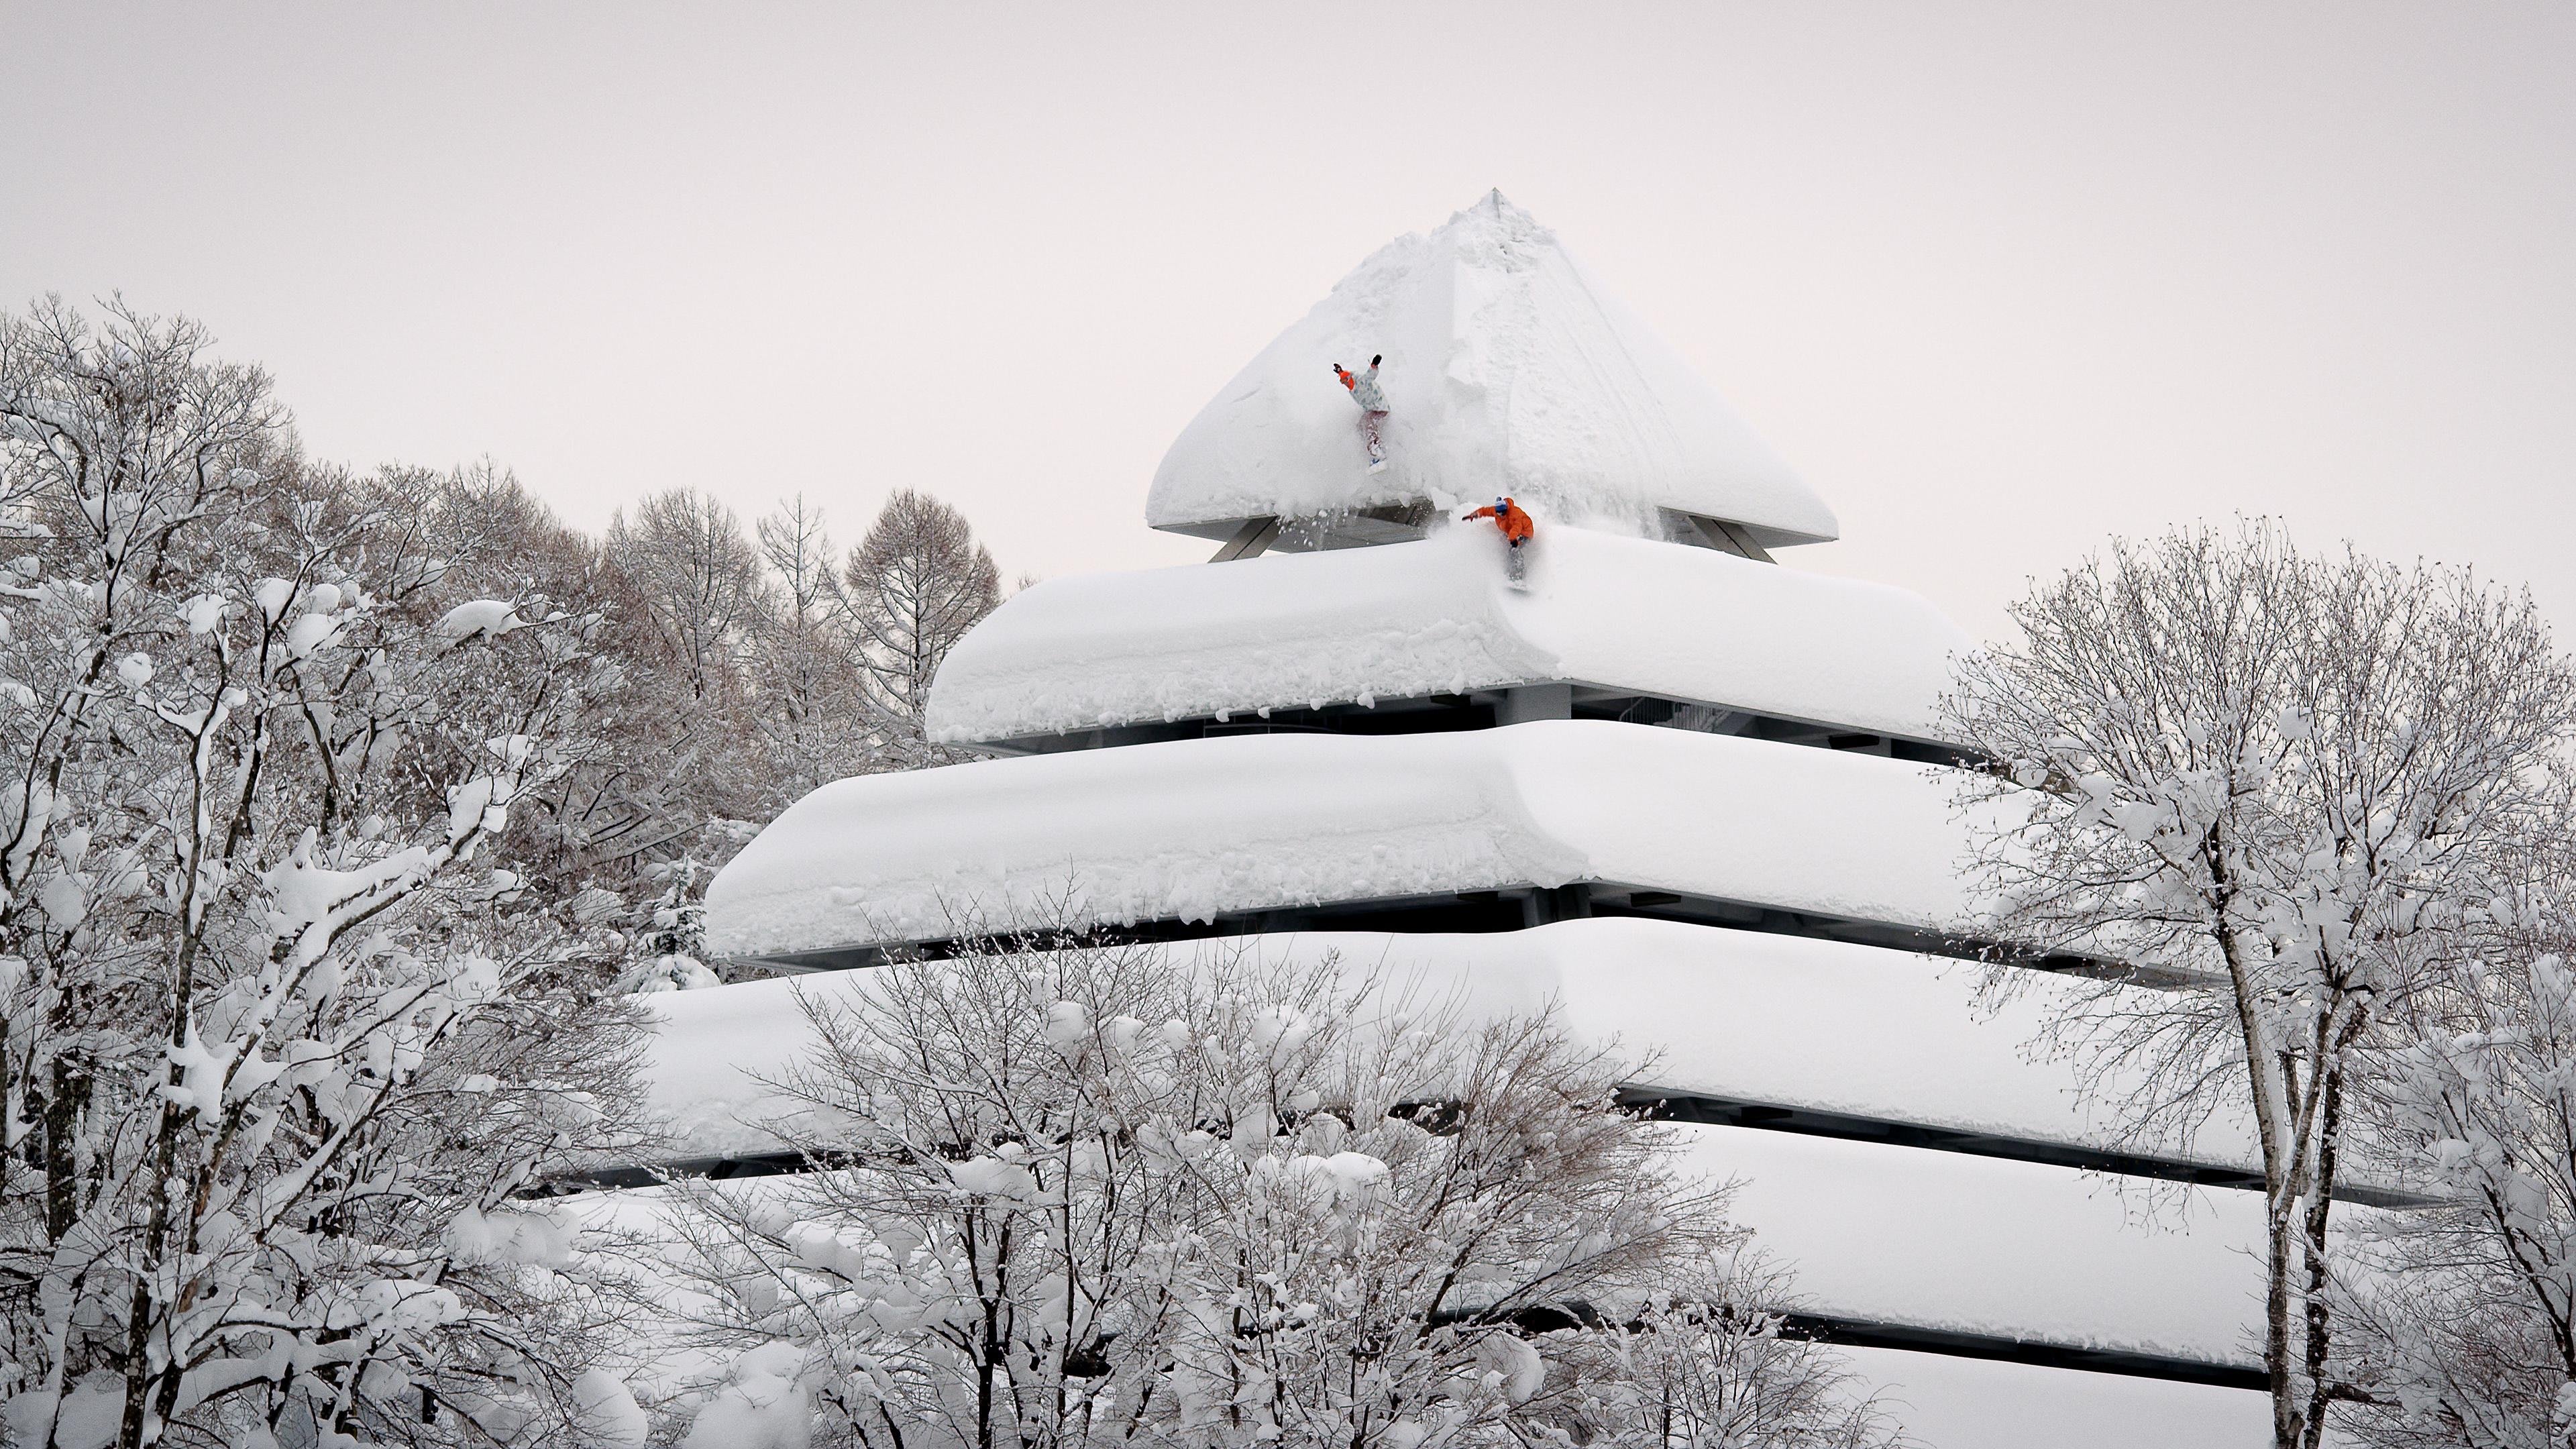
(1535, 701)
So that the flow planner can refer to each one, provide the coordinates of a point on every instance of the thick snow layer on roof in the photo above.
(1736, 1015)
(1982, 1245)
(1508, 370)
(1287, 631)
(1191, 829)
(1966, 1403)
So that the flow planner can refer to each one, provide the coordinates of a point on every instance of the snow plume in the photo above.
(201, 1073)
(310, 902)
(1062, 1217)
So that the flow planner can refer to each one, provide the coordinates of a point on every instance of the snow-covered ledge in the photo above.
(1192, 829)
(1302, 631)
(1944, 1240)
(1734, 1016)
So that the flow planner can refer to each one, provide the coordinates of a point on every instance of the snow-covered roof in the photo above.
(1508, 370)
(1944, 1399)
(1192, 829)
(1407, 620)
(1742, 1016)
(1945, 1240)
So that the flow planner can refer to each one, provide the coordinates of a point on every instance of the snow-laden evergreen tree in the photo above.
(1113, 1197)
(286, 1032)
(674, 938)
(2284, 785)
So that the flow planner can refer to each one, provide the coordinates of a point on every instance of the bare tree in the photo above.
(1110, 1196)
(2282, 780)
(915, 585)
(688, 605)
(809, 706)
(699, 580)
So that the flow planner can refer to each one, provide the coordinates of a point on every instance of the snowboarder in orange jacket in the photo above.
(1514, 521)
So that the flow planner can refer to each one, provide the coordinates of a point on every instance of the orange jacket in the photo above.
(1512, 519)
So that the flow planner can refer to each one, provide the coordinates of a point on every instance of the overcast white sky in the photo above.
(2000, 280)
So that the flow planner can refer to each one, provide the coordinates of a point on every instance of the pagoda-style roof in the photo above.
(1627, 617)
(1594, 790)
(1508, 371)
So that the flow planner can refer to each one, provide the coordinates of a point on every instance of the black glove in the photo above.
(1374, 361)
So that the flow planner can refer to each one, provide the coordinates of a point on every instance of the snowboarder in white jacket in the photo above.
(1364, 391)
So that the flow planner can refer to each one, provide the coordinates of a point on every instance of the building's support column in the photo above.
(1557, 903)
(1249, 540)
(1525, 702)
(1727, 537)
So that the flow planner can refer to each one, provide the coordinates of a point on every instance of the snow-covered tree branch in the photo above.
(1106, 1196)
(2465, 1315)
(2286, 783)
(283, 1036)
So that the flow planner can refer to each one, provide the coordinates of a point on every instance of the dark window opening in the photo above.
(1810, 1122)
(1469, 912)
(1481, 709)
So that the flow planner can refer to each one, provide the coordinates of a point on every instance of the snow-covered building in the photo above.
(1698, 797)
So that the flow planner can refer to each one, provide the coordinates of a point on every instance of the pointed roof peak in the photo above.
(1508, 370)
